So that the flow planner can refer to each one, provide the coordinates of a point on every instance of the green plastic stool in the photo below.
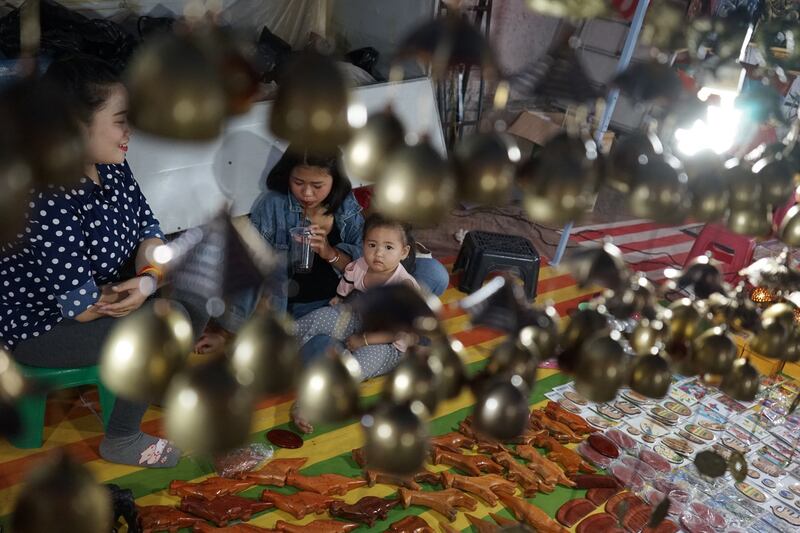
(32, 407)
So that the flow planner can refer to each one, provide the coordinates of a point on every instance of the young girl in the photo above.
(387, 246)
(82, 261)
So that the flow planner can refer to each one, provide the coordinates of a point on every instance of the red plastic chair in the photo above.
(732, 250)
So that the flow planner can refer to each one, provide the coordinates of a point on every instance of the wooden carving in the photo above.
(210, 488)
(154, 518)
(410, 524)
(445, 502)
(561, 432)
(570, 461)
(518, 473)
(473, 465)
(575, 422)
(223, 509)
(531, 515)
(300, 504)
(482, 526)
(275, 472)
(316, 526)
(484, 486)
(375, 476)
(367, 510)
(546, 469)
(205, 527)
(328, 484)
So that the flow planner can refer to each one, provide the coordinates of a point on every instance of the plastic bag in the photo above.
(236, 462)
(271, 53)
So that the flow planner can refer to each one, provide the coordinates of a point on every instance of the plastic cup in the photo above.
(302, 256)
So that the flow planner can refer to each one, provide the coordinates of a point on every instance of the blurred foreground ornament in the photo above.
(485, 164)
(365, 155)
(659, 189)
(578, 9)
(574, 159)
(175, 88)
(710, 463)
(448, 42)
(775, 174)
(789, 230)
(762, 295)
(264, 354)
(208, 410)
(753, 221)
(659, 513)
(702, 275)
(602, 367)
(16, 181)
(61, 496)
(649, 80)
(500, 304)
(714, 351)
(683, 320)
(582, 324)
(396, 437)
(144, 350)
(707, 186)
(40, 138)
(651, 376)
(12, 387)
(737, 465)
(718, 37)
(741, 382)
(646, 334)
(310, 109)
(328, 388)
(517, 355)
(623, 162)
(415, 378)
(501, 410)
(636, 297)
(416, 186)
(543, 329)
(603, 266)
(742, 187)
(397, 308)
(448, 354)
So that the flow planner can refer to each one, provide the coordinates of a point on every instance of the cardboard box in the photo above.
(764, 365)
(539, 127)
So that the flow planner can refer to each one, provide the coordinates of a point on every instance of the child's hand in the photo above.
(335, 301)
(354, 342)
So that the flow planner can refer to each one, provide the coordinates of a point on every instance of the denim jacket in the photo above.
(273, 214)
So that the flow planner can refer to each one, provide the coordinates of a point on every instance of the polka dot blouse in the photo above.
(75, 240)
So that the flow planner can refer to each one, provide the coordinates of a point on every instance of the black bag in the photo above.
(271, 54)
(364, 58)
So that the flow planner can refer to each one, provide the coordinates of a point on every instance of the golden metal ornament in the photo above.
(646, 335)
(714, 351)
(709, 194)
(417, 186)
(742, 186)
(637, 297)
(328, 388)
(12, 382)
(659, 513)
(396, 437)
(753, 221)
(710, 463)
(239, 77)
(582, 324)
(574, 159)
(569, 8)
(176, 90)
(775, 174)
(742, 382)
(372, 145)
(683, 320)
(62, 496)
(781, 312)
(771, 339)
(398, 308)
(702, 274)
(16, 180)
(789, 230)
(415, 378)
(144, 350)
(602, 367)
(659, 190)
(737, 465)
(485, 164)
(512, 357)
(623, 160)
(602, 265)
(207, 409)
(449, 356)
(310, 109)
(650, 376)
(264, 354)
(762, 295)
(501, 410)
(543, 330)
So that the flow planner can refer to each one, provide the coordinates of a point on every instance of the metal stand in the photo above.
(611, 103)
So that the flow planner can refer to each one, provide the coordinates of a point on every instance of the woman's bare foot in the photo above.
(301, 423)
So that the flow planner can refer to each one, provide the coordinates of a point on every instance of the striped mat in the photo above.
(646, 246)
(72, 426)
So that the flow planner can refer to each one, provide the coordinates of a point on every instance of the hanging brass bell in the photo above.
(175, 89)
(144, 350)
(264, 354)
(208, 410)
(543, 330)
(714, 351)
(623, 161)
(574, 160)
(512, 357)
(310, 109)
(602, 265)
(753, 221)
(650, 376)
(485, 164)
(741, 382)
(396, 438)
(416, 186)
(372, 145)
(683, 320)
(501, 410)
(415, 378)
(582, 324)
(789, 230)
(741, 184)
(16, 181)
(602, 367)
(775, 174)
(239, 77)
(701, 274)
(449, 356)
(328, 388)
(61, 496)
(645, 335)
(707, 186)
(659, 190)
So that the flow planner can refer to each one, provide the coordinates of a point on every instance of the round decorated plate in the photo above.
(677, 407)
(629, 408)
(795, 487)
(632, 430)
(734, 444)
(698, 431)
(679, 445)
(637, 398)
(664, 414)
(751, 492)
(653, 428)
(648, 438)
(668, 454)
(598, 421)
(765, 466)
(575, 397)
(752, 473)
(570, 406)
(691, 438)
(708, 424)
(609, 411)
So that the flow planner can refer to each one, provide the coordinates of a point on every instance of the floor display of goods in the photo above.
(625, 465)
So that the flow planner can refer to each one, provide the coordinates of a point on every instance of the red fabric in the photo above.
(363, 196)
(625, 8)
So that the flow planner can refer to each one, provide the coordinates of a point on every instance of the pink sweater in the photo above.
(353, 279)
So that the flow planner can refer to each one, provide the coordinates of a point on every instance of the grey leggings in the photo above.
(72, 344)
(375, 359)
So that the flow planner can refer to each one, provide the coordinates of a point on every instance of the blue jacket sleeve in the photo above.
(353, 240)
